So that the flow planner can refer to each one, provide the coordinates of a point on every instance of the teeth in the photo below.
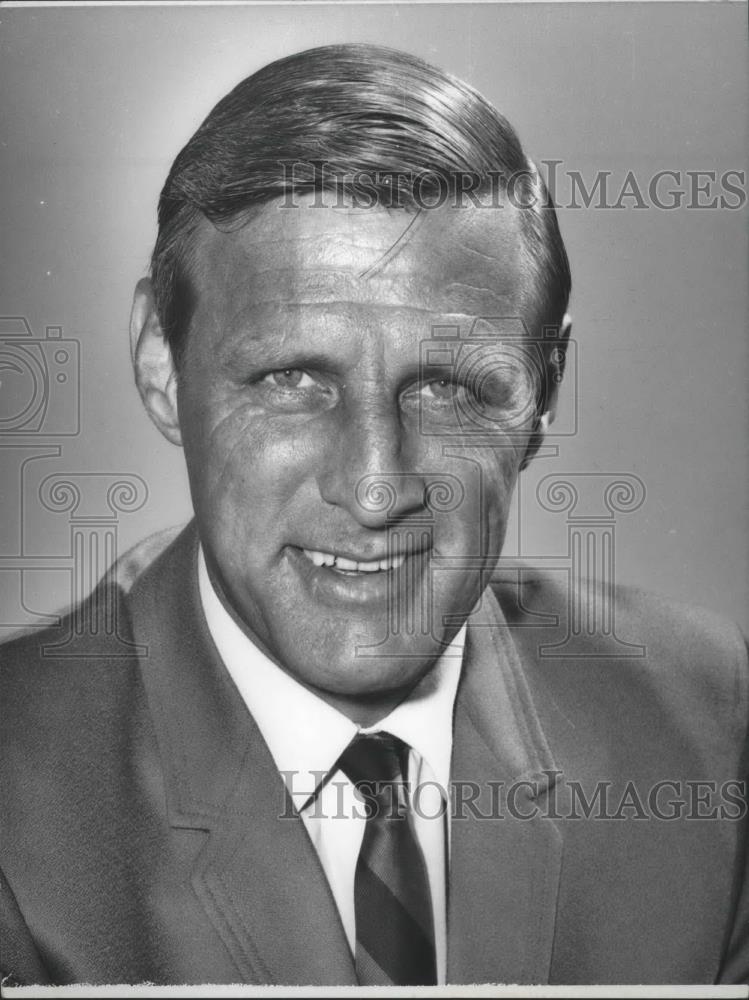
(368, 567)
(350, 565)
(345, 563)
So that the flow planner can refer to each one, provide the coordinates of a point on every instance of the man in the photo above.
(339, 749)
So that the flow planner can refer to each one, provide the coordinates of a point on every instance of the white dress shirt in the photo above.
(306, 736)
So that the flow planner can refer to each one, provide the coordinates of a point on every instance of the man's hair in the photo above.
(354, 119)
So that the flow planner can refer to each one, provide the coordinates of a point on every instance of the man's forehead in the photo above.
(466, 260)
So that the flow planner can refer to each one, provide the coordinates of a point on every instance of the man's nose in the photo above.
(369, 466)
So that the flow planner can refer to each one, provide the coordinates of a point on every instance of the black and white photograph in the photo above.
(374, 565)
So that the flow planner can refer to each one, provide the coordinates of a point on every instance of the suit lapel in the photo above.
(258, 876)
(504, 872)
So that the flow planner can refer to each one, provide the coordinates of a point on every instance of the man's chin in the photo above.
(369, 696)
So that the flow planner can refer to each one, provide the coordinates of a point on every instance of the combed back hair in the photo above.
(330, 119)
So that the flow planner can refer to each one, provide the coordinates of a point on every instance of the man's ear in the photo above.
(555, 371)
(155, 375)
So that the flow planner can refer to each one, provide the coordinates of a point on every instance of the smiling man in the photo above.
(304, 390)
(338, 750)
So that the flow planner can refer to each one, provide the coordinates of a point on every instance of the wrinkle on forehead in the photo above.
(472, 253)
(464, 260)
(331, 289)
(396, 248)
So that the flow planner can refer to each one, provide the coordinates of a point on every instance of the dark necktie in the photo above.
(394, 922)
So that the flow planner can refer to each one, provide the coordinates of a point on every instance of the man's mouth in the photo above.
(341, 579)
(353, 566)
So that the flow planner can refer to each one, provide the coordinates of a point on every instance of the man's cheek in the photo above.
(258, 486)
(235, 447)
(500, 464)
(485, 480)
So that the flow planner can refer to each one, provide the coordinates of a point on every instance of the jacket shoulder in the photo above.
(61, 681)
(547, 601)
(637, 666)
(95, 635)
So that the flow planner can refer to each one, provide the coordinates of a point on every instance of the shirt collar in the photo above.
(308, 735)
(425, 719)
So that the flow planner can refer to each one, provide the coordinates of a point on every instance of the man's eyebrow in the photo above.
(301, 358)
(271, 354)
(270, 346)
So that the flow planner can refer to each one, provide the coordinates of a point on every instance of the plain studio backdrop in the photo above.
(97, 102)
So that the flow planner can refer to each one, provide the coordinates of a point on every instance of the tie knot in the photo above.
(375, 758)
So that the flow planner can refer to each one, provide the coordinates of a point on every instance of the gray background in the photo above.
(96, 103)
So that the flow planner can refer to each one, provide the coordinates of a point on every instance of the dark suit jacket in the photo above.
(141, 837)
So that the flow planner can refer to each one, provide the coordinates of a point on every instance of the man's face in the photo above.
(318, 427)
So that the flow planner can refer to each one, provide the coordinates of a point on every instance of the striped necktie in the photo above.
(394, 921)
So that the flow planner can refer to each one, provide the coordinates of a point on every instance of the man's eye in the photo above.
(441, 389)
(289, 378)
